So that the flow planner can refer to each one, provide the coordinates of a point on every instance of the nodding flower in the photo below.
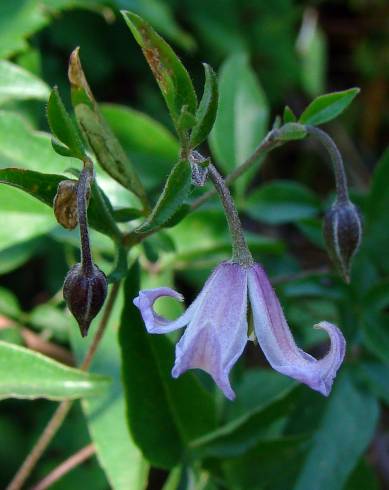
(217, 329)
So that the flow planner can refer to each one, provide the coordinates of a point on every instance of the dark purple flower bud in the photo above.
(342, 233)
(84, 294)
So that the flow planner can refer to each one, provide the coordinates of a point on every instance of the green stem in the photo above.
(269, 143)
(240, 251)
(336, 159)
(82, 189)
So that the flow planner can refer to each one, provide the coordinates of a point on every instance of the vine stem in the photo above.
(69, 464)
(268, 143)
(240, 251)
(336, 159)
(63, 409)
(83, 187)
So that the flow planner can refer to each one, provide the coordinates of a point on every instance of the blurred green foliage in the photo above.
(267, 55)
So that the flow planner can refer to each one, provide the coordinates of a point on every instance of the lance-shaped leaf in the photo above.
(100, 137)
(327, 107)
(164, 414)
(30, 375)
(19, 84)
(243, 433)
(44, 187)
(288, 115)
(345, 430)
(206, 112)
(173, 79)
(176, 190)
(63, 127)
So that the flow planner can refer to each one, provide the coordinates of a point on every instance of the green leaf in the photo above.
(176, 190)
(376, 234)
(375, 377)
(206, 112)
(27, 374)
(62, 125)
(243, 114)
(123, 215)
(22, 146)
(171, 75)
(327, 107)
(257, 387)
(44, 187)
(121, 265)
(19, 20)
(244, 432)
(346, 428)
(376, 335)
(311, 47)
(291, 131)
(22, 217)
(164, 414)
(17, 254)
(117, 453)
(61, 149)
(99, 135)
(19, 84)
(363, 477)
(9, 305)
(51, 321)
(260, 467)
(173, 480)
(289, 116)
(282, 202)
(148, 144)
(160, 15)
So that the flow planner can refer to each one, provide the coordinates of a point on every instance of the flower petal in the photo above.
(158, 324)
(217, 333)
(154, 322)
(277, 342)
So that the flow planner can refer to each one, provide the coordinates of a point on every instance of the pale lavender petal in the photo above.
(217, 333)
(154, 322)
(278, 345)
(158, 324)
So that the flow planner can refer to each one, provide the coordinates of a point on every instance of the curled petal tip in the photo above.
(278, 345)
(154, 322)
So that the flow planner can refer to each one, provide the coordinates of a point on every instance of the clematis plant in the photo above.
(217, 326)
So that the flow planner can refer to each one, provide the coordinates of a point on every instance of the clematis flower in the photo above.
(217, 329)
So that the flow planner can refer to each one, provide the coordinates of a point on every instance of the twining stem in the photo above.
(336, 159)
(69, 464)
(268, 143)
(240, 251)
(83, 187)
(63, 409)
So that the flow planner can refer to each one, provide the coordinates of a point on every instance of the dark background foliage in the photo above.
(349, 48)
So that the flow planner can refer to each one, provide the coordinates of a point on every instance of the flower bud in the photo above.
(342, 233)
(84, 294)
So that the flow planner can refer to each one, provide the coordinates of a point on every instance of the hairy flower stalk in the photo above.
(85, 286)
(217, 326)
(342, 227)
(240, 251)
